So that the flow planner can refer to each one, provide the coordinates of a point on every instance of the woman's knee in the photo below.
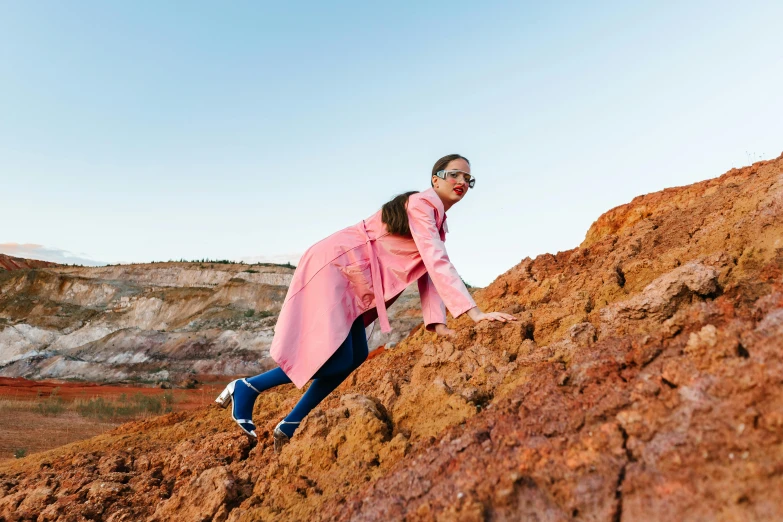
(349, 355)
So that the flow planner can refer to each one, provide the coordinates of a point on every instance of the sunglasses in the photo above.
(454, 175)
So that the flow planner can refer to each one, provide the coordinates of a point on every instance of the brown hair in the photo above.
(394, 214)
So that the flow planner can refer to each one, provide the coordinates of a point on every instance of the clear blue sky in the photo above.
(139, 131)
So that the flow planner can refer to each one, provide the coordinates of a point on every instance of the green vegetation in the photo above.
(126, 408)
(205, 260)
(19, 453)
(52, 405)
(261, 314)
(223, 262)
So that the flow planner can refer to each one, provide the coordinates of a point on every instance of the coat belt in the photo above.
(377, 283)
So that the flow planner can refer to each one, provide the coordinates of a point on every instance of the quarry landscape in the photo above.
(160, 323)
(643, 380)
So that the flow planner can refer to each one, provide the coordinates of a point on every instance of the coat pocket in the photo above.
(359, 277)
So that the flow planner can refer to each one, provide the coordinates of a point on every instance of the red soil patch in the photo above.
(27, 428)
(18, 388)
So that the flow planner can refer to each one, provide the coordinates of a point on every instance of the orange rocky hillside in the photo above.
(643, 381)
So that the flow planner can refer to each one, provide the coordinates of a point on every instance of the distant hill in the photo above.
(18, 263)
(150, 323)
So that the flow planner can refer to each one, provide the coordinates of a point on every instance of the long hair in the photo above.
(394, 214)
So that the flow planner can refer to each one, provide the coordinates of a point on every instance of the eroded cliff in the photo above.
(155, 323)
(643, 381)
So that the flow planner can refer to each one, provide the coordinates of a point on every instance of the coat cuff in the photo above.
(430, 327)
(458, 312)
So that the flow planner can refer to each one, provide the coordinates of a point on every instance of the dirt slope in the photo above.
(643, 381)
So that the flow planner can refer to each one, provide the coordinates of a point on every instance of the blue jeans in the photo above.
(349, 356)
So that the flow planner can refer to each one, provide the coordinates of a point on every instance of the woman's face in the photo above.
(452, 191)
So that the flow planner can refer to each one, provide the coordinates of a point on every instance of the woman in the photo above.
(346, 281)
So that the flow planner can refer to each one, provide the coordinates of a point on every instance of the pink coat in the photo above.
(350, 272)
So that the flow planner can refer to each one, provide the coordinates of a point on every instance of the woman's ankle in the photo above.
(289, 427)
(269, 379)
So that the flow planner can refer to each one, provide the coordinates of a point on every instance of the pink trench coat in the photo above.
(361, 270)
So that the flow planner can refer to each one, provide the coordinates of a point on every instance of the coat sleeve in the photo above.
(432, 307)
(447, 282)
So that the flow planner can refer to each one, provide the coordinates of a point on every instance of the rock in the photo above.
(189, 383)
(582, 334)
(201, 498)
(111, 464)
(103, 492)
(36, 500)
(661, 298)
(9, 503)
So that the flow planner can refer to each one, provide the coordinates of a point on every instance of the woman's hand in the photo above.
(477, 315)
(445, 331)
